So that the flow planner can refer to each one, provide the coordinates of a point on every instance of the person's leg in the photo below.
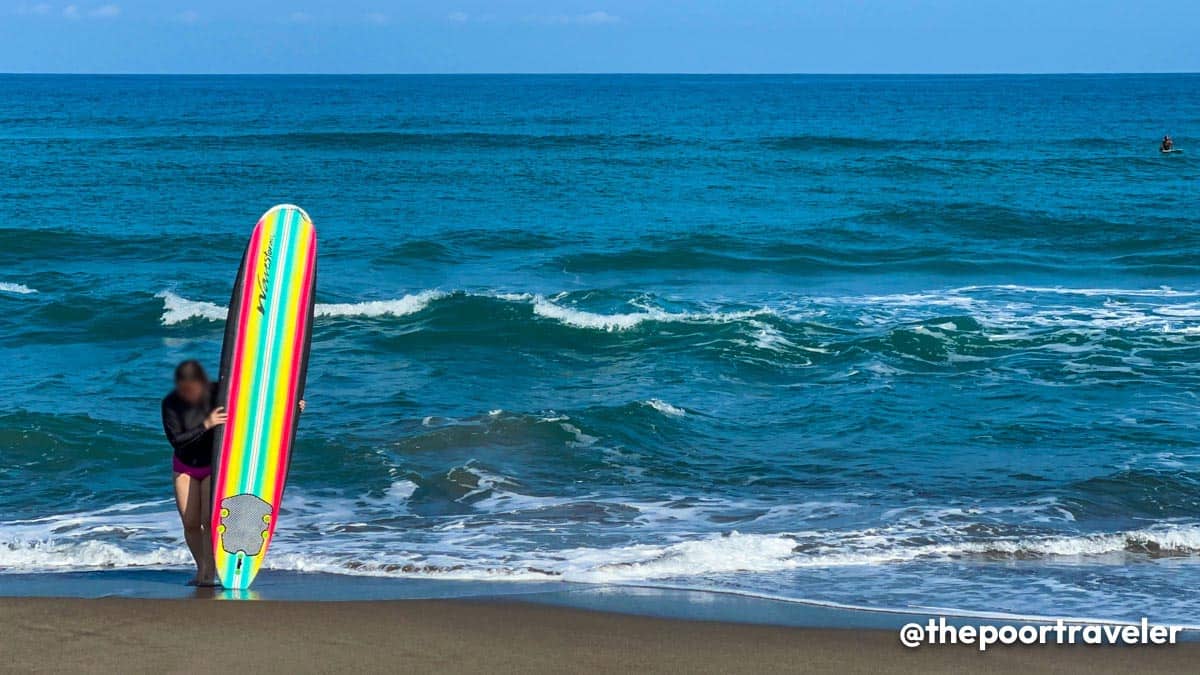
(187, 499)
(208, 571)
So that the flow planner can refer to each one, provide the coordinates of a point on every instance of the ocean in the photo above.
(887, 342)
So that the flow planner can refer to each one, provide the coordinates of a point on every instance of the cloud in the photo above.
(378, 18)
(73, 12)
(597, 17)
(299, 17)
(591, 18)
(188, 16)
(459, 17)
(105, 12)
(39, 9)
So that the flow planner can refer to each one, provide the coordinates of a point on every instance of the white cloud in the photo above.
(105, 12)
(378, 18)
(188, 16)
(300, 17)
(39, 9)
(597, 17)
(74, 13)
(591, 18)
(459, 17)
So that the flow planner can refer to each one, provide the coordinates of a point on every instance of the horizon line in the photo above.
(600, 73)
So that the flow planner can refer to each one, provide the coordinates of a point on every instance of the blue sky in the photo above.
(813, 36)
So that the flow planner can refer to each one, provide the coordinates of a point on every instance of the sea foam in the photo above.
(18, 289)
(178, 309)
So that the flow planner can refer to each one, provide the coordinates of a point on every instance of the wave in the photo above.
(579, 318)
(666, 408)
(177, 309)
(701, 556)
(380, 140)
(1063, 334)
(69, 556)
(811, 142)
(18, 289)
(845, 248)
(409, 304)
(475, 522)
(1161, 292)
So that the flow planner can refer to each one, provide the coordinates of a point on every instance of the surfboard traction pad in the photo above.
(244, 522)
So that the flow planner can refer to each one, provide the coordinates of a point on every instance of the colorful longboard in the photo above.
(263, 366)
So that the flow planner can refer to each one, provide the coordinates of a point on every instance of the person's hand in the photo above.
(301, 404)
(216, 417)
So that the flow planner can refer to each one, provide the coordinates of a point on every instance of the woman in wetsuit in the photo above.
(189, 415)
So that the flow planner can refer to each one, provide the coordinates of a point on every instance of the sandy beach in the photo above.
(128, 635)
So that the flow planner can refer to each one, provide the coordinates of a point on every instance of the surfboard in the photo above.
(264, 362)
(1171, 151)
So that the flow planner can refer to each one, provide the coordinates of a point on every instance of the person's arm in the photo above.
(180, 437)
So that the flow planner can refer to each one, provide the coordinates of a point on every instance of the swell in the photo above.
(1098, 333)
(814, 142)
(20, 245)
(916, 236)
(371, 140)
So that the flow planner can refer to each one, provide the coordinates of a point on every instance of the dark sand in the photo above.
(128, 635)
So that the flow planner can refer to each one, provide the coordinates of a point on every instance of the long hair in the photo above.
(191, 371)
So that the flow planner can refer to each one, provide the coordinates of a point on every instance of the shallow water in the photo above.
(899, 342)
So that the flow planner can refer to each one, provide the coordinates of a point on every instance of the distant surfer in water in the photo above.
(1167, 144)
(189, 415)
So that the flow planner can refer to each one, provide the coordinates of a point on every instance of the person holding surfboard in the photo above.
(189, 415)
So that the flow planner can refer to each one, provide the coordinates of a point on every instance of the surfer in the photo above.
(189, 415)
(1167, 144)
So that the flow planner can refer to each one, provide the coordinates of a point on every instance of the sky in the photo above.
(538, 36)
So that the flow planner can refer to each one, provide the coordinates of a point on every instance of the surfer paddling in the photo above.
(1168, 144)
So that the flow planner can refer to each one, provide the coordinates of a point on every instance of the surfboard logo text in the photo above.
(265, 279)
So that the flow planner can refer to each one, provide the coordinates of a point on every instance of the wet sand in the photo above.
(133, 635)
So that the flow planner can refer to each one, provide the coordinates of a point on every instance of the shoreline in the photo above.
(680, 604)
(289, 587)
(470, 635)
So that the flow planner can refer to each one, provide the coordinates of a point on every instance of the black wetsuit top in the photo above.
(184, 425)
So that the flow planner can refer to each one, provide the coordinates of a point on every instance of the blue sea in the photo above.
(884, 342)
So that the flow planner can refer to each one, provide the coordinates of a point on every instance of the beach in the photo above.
(131, 635)
(893, 343)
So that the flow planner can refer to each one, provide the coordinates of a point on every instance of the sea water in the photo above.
(893, 342)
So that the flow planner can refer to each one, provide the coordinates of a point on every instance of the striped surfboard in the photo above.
(263, 365)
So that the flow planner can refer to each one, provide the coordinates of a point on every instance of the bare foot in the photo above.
(207, 578)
